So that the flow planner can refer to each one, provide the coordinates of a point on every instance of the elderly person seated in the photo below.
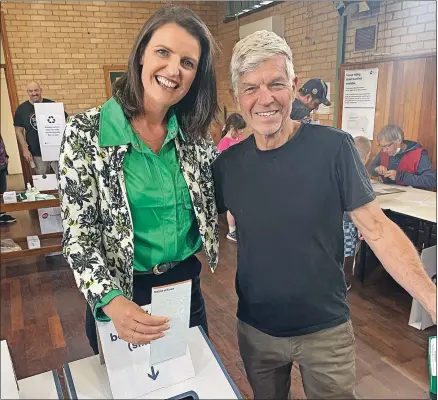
(402, 162)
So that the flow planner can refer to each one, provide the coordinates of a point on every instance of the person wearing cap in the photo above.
(309, 97)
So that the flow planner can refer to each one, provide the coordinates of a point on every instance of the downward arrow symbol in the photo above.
(154, 375)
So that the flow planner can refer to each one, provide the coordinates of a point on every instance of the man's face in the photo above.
(389, 147)
(35, 93)
(265, 96)
(311, 103)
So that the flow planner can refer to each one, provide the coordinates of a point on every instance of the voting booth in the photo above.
(41, 386)
(89, 379)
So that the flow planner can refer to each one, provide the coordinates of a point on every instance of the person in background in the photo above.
(4, 159)
(297, 182)
(232, 133)
(351, 236)
(136, 187)
(26, 129)
(402, 162)
(309, 97)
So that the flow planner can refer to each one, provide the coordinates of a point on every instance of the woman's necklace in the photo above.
(147, 139)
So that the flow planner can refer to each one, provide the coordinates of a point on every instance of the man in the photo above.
(401, 161)
(309, 97)
(26, 129)
(4, 159)
(288, 186)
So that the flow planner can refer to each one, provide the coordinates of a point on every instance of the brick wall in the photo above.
(64, 45)
(311, 32)
(405, 28)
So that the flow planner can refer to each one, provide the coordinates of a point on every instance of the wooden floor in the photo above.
(42, 319)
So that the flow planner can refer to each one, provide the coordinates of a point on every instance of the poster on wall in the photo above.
(359, 102)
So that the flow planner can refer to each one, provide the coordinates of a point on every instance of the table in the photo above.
(41, 386)
(415, 203)
(47, 240)
(88, 379)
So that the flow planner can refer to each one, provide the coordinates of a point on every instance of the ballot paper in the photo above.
(130, 372)
(383, 188)
(173, 302)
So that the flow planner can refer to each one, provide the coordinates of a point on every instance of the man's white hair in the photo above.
(254, 50)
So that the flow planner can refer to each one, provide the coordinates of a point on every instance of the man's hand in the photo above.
(132, 323)
(27, 155)
(391, 174)
(381, 170)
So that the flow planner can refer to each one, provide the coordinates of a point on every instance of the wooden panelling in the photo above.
(406, 96)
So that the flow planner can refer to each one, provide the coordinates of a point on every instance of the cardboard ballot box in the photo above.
(432, 366)
(42, 386)
(88, 378)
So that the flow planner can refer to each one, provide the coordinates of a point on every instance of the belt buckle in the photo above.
(155, 270)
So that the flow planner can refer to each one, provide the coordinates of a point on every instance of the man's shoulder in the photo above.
(235, 152)
(237, 149)
(324, 132)
(23, 105)
(48, 100)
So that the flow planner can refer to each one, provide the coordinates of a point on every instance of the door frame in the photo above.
(12, 92)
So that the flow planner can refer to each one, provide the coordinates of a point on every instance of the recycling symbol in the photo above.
(51, 119)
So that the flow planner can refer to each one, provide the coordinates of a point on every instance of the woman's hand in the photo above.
(132, 323)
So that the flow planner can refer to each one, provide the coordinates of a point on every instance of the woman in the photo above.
(232, 133)
(137, 195)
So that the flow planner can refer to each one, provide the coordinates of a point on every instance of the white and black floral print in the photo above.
(98, 236)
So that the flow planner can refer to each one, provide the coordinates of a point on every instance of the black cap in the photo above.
(318, 89)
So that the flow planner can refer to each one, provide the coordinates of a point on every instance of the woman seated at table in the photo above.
(402, 162)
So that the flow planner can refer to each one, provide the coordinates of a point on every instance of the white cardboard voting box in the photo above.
(42, 386)
(419, 317)
(9, 386)
(88, 379)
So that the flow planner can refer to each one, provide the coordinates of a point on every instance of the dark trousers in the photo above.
(143, 284)
(3, 173)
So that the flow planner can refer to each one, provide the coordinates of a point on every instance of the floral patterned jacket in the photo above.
(98, 233)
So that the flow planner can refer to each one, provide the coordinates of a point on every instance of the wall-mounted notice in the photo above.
(359, 104)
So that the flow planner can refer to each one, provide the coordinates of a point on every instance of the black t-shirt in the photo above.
(289, 204)
(299, 110)
(25, 118)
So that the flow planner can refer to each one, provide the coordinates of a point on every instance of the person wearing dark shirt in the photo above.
(309, 97)
(4, 160)
(402, 162)
(288, 186)
(26, 129)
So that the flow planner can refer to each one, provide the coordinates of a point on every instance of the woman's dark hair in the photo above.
(199, 107)
(234, 120)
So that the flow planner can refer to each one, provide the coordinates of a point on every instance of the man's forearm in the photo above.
(398, 255)
(21, 138)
